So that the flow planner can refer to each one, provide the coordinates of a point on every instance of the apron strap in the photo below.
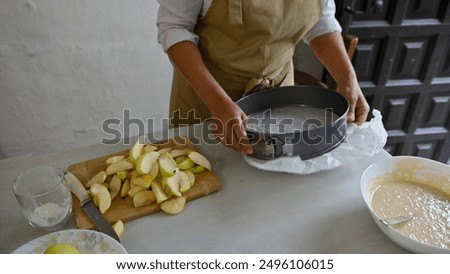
(282, 77)
(256, 84)
(235, 12)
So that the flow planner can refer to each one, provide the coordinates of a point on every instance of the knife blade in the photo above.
(86, 203)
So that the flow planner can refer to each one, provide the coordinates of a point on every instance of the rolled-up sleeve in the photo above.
(326, 24)
(176, 21)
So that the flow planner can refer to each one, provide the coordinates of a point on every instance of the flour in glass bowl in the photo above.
(49, 214)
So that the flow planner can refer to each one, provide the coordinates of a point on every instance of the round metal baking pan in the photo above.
(300, 121)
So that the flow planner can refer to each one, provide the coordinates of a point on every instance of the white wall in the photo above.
(66, 65)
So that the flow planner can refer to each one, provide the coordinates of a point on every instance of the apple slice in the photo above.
(148, 148)
(119, 228)
(191, 177)
(172, 185)
(186, 164)
(167, 165)
(136, 189)
(154, 171)
(185, 185)
(164, 150)
(157, 189)
(114, 159)
(179, 152)
(119, 166)
(125, 188)
(122, 175)
(114, 186)
(146, 161)
(199, 159)
(197, 169)
(174, 206)
(102, 196)
(144, 181)
(143, 198)
(99, 178)
(180, 159)
(136, 149)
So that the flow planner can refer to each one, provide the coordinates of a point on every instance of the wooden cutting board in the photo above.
(206, 183)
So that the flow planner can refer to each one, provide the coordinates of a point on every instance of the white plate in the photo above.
(382, 167)
(86, 241)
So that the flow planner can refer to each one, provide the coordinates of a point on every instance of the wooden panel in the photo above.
(425, 9)
(396, 111)
(444, 61)
(365, 60)
(426, 150)
(411, 58)
(437, 111)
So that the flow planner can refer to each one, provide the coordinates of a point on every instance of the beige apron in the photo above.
(247, 45)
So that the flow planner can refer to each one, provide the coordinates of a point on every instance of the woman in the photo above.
(225, 49)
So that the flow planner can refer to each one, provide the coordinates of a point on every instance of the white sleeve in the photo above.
(327, 22)
(176, 21)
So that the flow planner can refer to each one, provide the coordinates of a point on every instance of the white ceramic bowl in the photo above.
(384, 166)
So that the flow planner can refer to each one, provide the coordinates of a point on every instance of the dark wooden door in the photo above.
(403, 66)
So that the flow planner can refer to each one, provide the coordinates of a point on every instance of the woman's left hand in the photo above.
(359, 108)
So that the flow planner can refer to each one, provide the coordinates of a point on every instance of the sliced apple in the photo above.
(101, 194)
(167, 165)
(136, 189)
(199, 159)
(179, 152)
(119, 228)
(144, 180)
(197, 169)
(174, 206)
(180, 159)
(136, 149)
(191, 177)
(164, 150)
(99, 178)
(185, 185)
(171, 185)
(148, 148)
(125, 188)
(114, 159)
(122, 174)
(143, 198)
(119, 166)
(146, 161)
(154, 171)
(186, 164)
(114, 186)
(160, 194)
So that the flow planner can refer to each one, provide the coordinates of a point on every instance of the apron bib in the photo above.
(247, 46)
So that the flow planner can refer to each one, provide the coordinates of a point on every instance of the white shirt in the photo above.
(177, 20)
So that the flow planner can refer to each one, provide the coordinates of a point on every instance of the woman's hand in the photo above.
(359, 108)
(228, 124)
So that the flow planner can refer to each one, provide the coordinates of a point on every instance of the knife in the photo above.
(86, 203)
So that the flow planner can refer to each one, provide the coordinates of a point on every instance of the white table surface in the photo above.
(254, 212)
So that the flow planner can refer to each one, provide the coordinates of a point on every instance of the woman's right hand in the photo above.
(229, 125)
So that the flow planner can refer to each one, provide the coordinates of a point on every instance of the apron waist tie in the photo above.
(257, 84)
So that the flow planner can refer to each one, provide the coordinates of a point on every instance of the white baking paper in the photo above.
(362, 141)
